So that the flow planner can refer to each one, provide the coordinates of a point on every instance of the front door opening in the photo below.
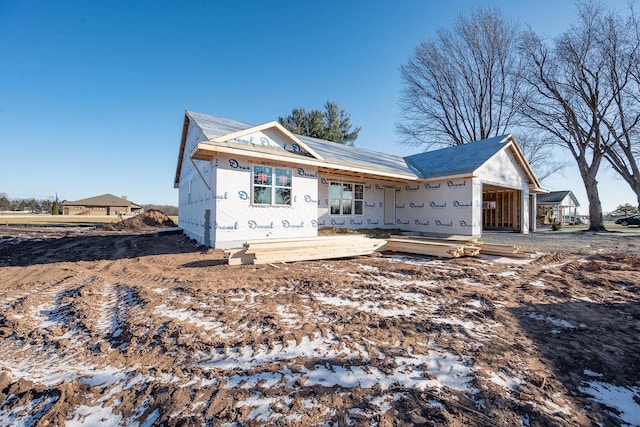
(389, 205)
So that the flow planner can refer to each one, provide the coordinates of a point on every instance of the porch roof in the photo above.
(556, 198)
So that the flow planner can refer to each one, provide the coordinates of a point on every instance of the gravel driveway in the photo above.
(584, 242)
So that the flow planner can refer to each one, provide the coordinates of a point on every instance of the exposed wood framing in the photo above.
(507, 212)
(201, 176)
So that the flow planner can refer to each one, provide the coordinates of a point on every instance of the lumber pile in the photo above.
(453, 248)
(512, 251)
(303, 249)
(440, 248)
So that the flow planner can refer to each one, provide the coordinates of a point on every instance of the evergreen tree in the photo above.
(625, 210)
(333, 124)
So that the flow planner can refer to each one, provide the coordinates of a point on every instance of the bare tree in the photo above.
(540, 154)
(568, 97)
(462, 86)
(621, 49)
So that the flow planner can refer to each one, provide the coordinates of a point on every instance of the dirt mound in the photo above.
(145, 221)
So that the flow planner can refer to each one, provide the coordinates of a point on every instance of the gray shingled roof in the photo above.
(214, 127)
(554, 197)
(341, 154)
(102, 200)
(458, 160)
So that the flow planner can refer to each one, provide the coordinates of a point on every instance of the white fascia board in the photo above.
(269, 125)
(206, 151)
(458, 176)
(523, 162)
(537, 190)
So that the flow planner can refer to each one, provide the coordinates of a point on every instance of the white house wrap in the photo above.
(240, 182)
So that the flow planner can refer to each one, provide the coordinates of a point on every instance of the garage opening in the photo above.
(501, 208)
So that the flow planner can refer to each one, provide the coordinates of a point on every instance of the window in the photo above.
(346, 198)
(271, 186)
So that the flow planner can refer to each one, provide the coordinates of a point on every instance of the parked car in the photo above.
(629, 220)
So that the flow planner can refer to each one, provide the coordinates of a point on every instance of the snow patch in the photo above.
(195, 317)
(504, 380)
(366, 306)
(443, 369)
(623, 399)
(92, 416)
(556, 322)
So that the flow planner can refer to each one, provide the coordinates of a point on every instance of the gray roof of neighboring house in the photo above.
(458, 160)
(102, 200)
(555, 198)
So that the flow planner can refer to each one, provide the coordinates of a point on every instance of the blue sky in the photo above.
(92, 94)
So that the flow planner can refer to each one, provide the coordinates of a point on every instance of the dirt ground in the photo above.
(122, 327)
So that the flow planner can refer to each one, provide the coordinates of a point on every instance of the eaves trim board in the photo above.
(269, 125)
(208, 151)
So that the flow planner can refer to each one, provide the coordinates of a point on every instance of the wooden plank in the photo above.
(471, 250)
(452, 239)
(463, 247)
(310, 238)
(431, 242)
(238, 256)
(302, 243)
(423, 247)
(309, 248)
(250, 249)
(364, 245)
(265, 258)
(491, 248)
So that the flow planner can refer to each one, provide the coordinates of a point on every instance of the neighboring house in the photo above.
(557, 207)
(106, 204)
(240, 182)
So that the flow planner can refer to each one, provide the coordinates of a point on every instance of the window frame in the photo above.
(275, 172)
(357, 189)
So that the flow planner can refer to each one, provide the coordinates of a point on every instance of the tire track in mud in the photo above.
(40, 305)
(50, 335)
(114, 312)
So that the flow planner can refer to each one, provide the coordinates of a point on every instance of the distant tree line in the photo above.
(21, 205)
(46, 205)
